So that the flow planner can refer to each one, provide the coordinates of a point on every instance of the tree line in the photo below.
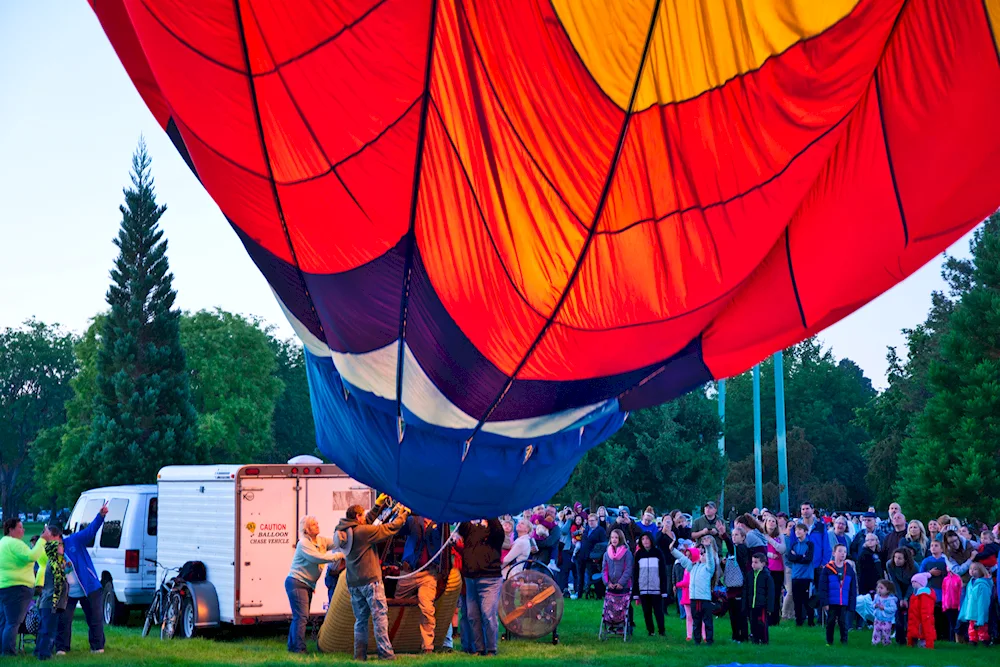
(930, 440)
(934, 433)
(145, 385)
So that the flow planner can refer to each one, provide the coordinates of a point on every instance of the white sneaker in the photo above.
(573, 596)
(100, 650)
(60, 652)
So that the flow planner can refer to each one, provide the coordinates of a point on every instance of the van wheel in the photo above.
(115, 613)
(187, 619)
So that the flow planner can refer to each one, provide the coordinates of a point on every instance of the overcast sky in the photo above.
(69, 121)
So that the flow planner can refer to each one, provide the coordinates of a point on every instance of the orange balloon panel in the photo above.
(544, 206)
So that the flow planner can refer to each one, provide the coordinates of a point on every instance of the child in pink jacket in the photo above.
(684, 592)
(951, 602)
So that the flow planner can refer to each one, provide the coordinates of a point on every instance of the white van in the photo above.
(121, 546)
(242, 521)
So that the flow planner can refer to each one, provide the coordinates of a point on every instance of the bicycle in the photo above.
(179, 609)
(155, 615)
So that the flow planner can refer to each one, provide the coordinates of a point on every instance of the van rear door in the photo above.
(108, 552)
(267, 538)
(148, 542)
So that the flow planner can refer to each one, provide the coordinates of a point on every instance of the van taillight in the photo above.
(295, 471)
(305, 471)
(251, 471)
(132, 560)
(317, 471)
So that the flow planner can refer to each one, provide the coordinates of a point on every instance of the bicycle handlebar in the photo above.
(159, 564)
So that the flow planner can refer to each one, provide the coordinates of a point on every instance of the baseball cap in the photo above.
(870, 515)
(710, 503)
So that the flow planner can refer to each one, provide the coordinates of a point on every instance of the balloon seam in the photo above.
(510, 123)
(791, 274)
(612, 167)
(993, 35)
(270, 172)
(888, 159)
(738, 75)
(322, 43)
(414, 200)
(189, 45)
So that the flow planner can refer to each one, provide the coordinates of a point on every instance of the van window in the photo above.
(151, 517)
(111, 536)
(89, 512)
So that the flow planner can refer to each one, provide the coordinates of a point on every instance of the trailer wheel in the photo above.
(115, 613)
(187, 618)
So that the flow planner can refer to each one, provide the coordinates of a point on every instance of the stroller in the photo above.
(615, 617)
(28, 631)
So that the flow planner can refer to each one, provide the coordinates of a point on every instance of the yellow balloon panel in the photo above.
(696, 45)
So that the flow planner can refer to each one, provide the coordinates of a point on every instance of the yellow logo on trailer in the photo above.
(251, 526)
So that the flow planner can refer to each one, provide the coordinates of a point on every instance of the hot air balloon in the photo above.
(499, 226)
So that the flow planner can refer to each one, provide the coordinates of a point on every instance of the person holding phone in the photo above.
(84, 585)
(709, 523)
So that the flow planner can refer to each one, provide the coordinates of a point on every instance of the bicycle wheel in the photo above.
(171, 617)
(152, 614)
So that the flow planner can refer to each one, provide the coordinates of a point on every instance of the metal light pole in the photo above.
(779, 413)
(757, 463)
(722, 441)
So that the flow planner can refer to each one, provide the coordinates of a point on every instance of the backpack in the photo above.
(732, 575)
(193, 570)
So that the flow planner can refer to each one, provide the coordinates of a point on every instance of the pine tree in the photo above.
(143, 414)
(952, 462)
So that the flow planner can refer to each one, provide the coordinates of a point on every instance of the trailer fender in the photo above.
(206, 603)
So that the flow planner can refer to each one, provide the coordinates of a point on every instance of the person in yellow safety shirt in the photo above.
(17, 580)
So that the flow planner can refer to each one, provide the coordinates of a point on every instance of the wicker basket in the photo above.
(337, 632)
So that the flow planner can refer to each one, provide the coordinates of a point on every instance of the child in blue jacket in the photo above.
(838, 592)
(800, 555)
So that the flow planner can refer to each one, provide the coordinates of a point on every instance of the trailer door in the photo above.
(268, 534)
(327, 498)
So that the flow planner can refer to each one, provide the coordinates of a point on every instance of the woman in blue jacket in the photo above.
(84, 586)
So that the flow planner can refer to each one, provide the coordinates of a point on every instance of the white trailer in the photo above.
(242, 521)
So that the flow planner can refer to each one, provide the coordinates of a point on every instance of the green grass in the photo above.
(579, 646)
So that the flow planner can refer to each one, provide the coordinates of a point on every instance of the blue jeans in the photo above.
(48, 627)
(464, 626)
(92, 611)
(300, 597)
(331, 583)
(14, 601)
(482, 598)
(368, 601)
(565, 569)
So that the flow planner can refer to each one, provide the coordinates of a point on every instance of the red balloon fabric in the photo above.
(511, 217)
